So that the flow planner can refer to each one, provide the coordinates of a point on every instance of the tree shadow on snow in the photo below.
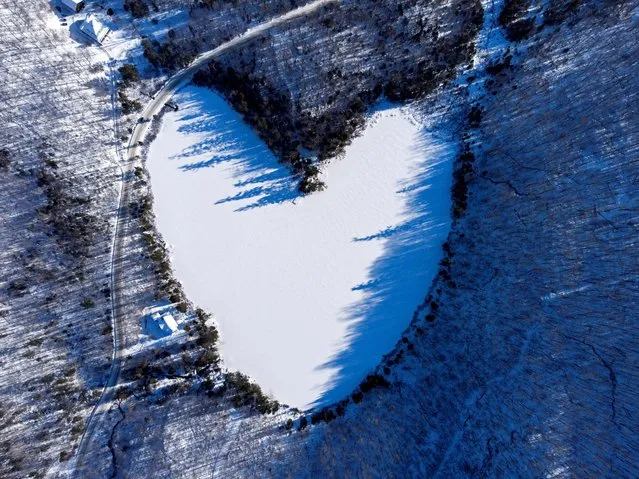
(402, 273)
(225, 138)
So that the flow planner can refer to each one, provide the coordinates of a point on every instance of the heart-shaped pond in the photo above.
(309, 292)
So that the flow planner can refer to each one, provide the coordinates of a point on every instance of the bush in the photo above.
(207, 359)
(202, 315)
(512, 10)
(250, 394)
(142, 370)
(128, 105)
(207, 336)
(520, 30)
(87, 303)
(474, 117)
(5, 159)
(182, 307)
(129, 73)
(149, 53)
(108, 329)
(559, 11)
(17, 287)
(326, 415)
(303, 423)
(137, 8)
(168, 55)
(497, 68)
(512, 19)
(461, 177)
(373, 381)
(311, 183)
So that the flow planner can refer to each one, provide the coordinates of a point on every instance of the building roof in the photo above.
(94, 29)
(166, 323)
(75, 3)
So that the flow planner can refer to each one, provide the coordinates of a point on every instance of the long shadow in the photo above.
(226, 138)
(401, 274)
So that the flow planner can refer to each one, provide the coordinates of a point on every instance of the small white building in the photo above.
(93, 29)
(166, 323)
(75, 5)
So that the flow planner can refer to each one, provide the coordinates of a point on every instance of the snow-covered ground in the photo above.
(309, 292)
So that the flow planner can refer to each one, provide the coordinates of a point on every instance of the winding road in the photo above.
(78, 465)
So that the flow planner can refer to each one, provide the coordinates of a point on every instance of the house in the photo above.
(74, 5)
(93, 29)
(166, 323)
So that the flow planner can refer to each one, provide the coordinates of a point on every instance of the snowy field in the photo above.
(309, 292)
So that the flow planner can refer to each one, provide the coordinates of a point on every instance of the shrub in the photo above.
(497, 68)
(207, 336)
(373, 381)
(520, 30)
(17, 287)
(87, 303)
(149, 53)
(108, 329)
(128, 105)
(303, 423)
(137, 8)
(5, 159)
(474, 117)
(202, 315)
(340, 410)
(250, 394)
(129, 73)
(168, 55)
(35, 342)
(310, 183)
(181, 307)
(512, 19)
(461, 178)
(207, 359)
(326, 415)
(560, 10)
(142, 370)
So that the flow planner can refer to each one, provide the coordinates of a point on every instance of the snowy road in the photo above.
(177, 81)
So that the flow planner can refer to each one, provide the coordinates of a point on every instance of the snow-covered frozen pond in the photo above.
(309, 292)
